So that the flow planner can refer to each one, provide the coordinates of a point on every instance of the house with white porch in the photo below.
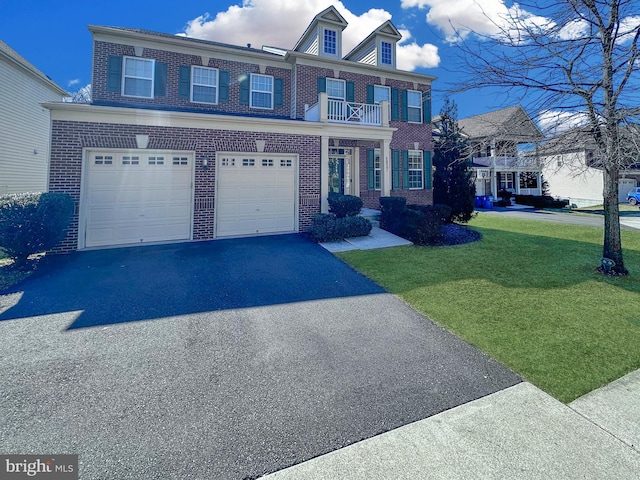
(503, 147)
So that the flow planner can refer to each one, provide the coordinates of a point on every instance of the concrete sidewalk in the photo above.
(520, 432)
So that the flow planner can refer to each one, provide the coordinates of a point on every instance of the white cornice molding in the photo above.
(78, 112)
(355, 67)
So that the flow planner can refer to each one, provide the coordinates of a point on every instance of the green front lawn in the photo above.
(529, 296)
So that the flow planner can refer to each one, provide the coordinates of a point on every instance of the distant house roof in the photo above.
(178, 38)
(8, 53)
(511, 123)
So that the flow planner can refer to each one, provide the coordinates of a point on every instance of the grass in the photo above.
(529, 296)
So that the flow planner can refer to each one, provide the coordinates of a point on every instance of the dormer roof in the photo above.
(368, 51)
(329, 18)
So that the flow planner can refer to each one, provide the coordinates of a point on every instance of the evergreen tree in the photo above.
(453, 182)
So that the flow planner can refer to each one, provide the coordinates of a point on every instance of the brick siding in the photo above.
(69, 138)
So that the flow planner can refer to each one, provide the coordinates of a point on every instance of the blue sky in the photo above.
(53, 35)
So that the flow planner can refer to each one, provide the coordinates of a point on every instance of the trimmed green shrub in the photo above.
(541, 201)
(424, 224)
(327, 227)
(443, 212)
(32, 223)
(344, 205)
(392, 214)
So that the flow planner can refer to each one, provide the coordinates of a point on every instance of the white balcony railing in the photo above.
(508, 162)
(338, 111)
(348, 112)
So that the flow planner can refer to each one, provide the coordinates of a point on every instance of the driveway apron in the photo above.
(224, 359)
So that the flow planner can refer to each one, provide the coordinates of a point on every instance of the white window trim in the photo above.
(251, 91)
(388, 89)
(217, 87)
(125, 76)
(416, 153)
(419, 105)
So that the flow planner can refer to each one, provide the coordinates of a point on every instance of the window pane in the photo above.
(414, 99)
(385, 53)
(205, 76)
(204, 94)
(137, 87)
(261, 100)
(261, 91)
(381, 93)
(415, 169)
(330, 42)
(138, 67)
(335, 89)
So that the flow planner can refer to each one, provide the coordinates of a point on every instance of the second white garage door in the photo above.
(255, 194)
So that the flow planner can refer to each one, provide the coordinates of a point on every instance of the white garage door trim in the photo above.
(135, 197)
(256, 194)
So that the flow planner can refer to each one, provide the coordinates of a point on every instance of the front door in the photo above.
(341, 172)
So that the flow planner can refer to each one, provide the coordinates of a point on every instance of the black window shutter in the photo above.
(244, 89)
(395, 104)
(405, 106)
(184, 82)
(322, 84)
(223, 86)
(278, 92)
(114, 74)
(395, 171)
(160, 80)
(351, 92)
(405, 169)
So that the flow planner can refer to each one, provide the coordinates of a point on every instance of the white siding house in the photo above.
(572, 171)
(24, 123)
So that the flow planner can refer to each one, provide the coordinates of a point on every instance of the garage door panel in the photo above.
(256, 199)
(137, 203)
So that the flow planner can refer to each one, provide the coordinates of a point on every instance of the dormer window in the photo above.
(330, 42)
(386, 55)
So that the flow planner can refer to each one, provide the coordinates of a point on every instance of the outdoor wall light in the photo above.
(205, 163)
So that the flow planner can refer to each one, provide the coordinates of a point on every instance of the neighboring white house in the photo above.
(571, 171)
(24, 123)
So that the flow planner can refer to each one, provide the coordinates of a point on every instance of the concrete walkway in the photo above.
(378, 238)
(520, 432)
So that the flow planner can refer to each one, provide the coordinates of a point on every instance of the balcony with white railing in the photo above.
(517, 163)
(338, 111)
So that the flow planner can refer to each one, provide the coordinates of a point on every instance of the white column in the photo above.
(385, 174)
(324, 174)
(323, 104)
(516, 182)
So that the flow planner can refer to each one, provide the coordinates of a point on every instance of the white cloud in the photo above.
(628, 28)
(573, 30)
(414, 56)
(458, 18)
(555, 122)
(269, 22)
(73, 82)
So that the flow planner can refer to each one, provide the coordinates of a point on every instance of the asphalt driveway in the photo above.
(225, 359)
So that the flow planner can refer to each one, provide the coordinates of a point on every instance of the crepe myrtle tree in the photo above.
(570, 56)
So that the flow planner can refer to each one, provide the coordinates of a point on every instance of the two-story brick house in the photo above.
(188, 139)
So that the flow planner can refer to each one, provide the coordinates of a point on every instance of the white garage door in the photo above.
(624, 185)
(255, 194)
(137, 197)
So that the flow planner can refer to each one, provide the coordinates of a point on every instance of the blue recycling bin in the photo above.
(487, 202)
